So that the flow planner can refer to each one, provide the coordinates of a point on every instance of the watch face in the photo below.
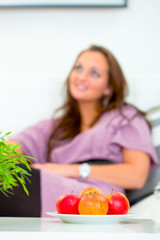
(84, 170)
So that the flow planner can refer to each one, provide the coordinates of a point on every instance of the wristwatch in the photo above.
(84, 170)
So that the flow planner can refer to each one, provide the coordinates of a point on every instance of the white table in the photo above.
(53, 228)
(148, 208)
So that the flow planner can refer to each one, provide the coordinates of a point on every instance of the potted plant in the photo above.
(11, 171)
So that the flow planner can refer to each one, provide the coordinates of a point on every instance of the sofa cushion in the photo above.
(136, 195)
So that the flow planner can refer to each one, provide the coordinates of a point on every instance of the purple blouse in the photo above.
(104, 140)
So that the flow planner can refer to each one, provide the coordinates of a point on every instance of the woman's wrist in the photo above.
(73, 170)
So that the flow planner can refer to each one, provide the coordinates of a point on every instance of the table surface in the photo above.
(55, 225)
(53, 228)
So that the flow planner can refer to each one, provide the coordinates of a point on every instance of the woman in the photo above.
(96, 124)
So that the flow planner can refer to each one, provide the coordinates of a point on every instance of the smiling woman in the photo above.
(90, 128)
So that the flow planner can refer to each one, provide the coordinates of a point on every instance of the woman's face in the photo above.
(88, 80)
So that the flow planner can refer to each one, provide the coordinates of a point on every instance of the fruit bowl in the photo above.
(91, 219)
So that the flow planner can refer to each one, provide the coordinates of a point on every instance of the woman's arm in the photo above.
(132, 173)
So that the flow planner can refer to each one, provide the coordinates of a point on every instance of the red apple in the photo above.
(117, 203)
(93, 204)
(68, 204)
(90, 190)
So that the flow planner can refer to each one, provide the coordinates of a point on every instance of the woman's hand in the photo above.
(11, 141)
(65, 170)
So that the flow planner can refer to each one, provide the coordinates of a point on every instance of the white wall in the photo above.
(39, 46)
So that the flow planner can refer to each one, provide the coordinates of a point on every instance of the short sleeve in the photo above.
(34, 140)
(136, 135)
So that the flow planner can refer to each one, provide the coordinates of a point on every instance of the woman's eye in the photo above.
(95, 74)
(78, 69)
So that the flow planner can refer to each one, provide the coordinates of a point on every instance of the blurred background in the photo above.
(38, 47)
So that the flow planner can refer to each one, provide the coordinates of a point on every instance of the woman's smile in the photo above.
(81, 87)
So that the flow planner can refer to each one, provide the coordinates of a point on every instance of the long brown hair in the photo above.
(68, 126)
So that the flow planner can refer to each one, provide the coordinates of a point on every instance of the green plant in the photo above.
(11, 170)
